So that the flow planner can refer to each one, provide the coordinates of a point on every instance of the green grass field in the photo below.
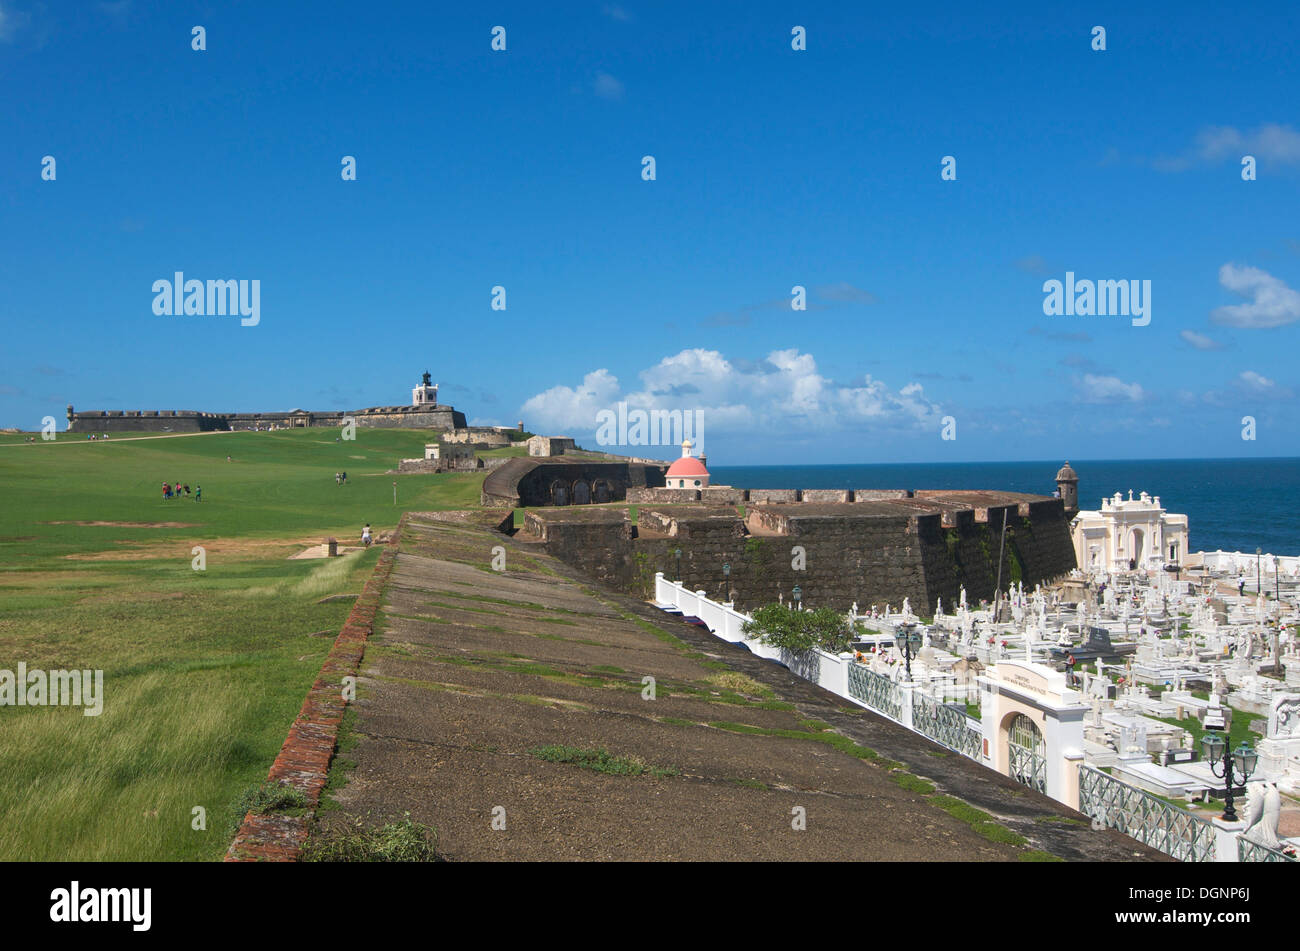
(204, 671)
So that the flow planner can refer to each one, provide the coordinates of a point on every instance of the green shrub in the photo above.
(779, 626)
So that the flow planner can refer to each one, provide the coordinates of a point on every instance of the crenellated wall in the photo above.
(837, 553)
(191, 421)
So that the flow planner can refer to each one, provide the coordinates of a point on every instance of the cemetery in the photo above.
(1162, 705)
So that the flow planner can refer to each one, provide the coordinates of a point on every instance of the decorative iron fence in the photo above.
(877, 692)
(1139, 815)
(1026, 766)
(1248, 851)
(945, 725)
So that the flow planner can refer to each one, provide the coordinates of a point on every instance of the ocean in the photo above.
(1230, 504)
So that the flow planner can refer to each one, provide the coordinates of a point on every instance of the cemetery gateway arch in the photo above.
(1033, 727)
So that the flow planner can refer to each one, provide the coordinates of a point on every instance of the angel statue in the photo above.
(1263, 809)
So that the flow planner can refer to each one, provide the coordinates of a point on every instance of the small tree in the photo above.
(779, 626)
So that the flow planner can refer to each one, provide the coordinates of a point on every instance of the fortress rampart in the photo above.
(434, 417)
(566, 480)
(919, 545)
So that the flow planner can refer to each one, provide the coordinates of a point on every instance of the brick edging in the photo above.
(304, 758)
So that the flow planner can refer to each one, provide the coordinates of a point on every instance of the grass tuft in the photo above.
(600, 761)
(401, 841)
(263, 798)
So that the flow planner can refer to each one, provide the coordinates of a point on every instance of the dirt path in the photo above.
(78, 439)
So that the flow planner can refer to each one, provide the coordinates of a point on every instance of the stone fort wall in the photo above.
(850, 552)
(191, 421)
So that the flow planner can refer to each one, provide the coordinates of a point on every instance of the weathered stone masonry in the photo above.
(924, 547)
(191, 421)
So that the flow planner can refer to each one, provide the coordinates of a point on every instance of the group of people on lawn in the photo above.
(174, 491)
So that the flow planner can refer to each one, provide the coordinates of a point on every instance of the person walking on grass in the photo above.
(365, 535)
(167, 492)
(198, 493)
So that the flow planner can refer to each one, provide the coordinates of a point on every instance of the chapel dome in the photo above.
(687, 467)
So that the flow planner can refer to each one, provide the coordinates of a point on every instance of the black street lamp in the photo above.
(906, 641)
(1216, 748)
(1258, 553)
(678, 554)
(726, 579)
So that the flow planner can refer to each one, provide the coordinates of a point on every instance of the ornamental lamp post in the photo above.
(1217, 749)
(906, 641)
(1258, 553)
(1277, 629)
(798, 596)
(726, 579)
(678, 554)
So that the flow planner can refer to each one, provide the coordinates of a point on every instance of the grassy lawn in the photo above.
(1238, 732)
(204, 671)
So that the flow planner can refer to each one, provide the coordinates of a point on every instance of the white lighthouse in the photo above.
(426, 394)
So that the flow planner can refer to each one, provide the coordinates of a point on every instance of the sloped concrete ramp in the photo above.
(471, 671)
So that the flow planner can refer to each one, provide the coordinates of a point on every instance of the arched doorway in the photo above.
(1138, 538)
(581, 493)
(600, 491)
(559, 493)
(1027, 761)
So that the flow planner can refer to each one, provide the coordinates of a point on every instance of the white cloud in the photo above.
(1200, 341)
(783, 390)
(607, 87)
(616, 12)
(561, 407)
(844, 292)
(1272, 303)
(1272, 142)
(1033, 264)
(1108, 389)
(1257, 384)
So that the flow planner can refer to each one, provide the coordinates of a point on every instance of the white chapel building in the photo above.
(1126, 533)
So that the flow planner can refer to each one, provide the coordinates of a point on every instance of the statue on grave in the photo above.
(1284, 717)
(1263, 809)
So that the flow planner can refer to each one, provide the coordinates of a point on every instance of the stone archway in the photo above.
(581, 493)
(559, 493)
(1033, 727)
(600, 491)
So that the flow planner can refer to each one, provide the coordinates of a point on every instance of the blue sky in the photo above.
(774, 168)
